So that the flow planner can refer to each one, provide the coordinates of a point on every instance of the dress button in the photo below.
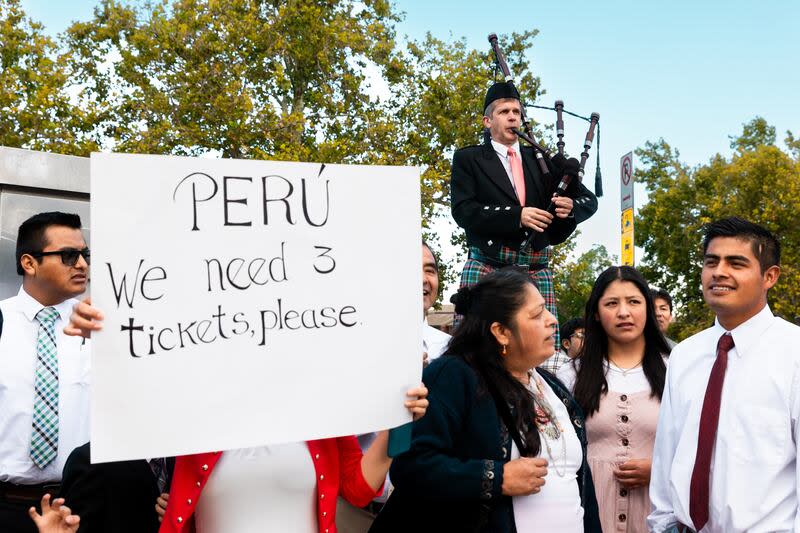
(316, 456)
(624, 397)
(623, 492)
(624, 418)
(189, 501)
(577, 422)
(198, 483)
(622, 517)
(324, 513)
(180, 519)
(321, 477)
(204, 467)
(321, 496)
(624, 442)
(490, 474)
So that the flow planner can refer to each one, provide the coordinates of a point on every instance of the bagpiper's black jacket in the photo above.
(484, 203)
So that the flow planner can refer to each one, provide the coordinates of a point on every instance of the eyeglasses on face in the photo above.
(69, 256)
(578, 334)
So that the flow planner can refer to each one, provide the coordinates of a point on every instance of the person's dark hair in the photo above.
(765, 246)
(496, 298)
(30, 237)
(591, 383)
(435, 257)
(570, 326)
(659, 293)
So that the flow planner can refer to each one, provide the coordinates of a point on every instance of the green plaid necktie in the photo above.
(44, 438)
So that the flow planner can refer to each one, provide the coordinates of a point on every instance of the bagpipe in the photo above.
(565, 170)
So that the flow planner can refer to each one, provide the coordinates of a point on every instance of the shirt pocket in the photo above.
(762, 434)
(75, 368)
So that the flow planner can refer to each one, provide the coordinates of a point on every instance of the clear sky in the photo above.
(691, 72)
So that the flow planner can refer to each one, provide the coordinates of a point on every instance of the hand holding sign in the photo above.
(84, 319)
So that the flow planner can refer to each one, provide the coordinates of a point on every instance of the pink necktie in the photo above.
(518, 174)
(707, 435)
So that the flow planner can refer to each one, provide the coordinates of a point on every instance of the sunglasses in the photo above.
(69, 256)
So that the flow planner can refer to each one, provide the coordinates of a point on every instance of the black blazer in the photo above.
(117, 497)
(484, 203)
(451, 478)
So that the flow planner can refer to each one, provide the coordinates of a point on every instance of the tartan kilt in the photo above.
(478, 265)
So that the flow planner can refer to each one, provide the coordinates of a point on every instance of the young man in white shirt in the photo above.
(725, 458)
(44, 374)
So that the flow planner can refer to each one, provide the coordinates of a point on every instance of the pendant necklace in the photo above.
(548, 425)
(624, 371)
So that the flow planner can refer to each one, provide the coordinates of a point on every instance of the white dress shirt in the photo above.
(17, 375)
(434, 341)
(754, 469)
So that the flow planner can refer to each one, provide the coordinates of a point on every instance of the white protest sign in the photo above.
(250, 302)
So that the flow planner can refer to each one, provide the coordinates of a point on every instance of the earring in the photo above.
(504, 349)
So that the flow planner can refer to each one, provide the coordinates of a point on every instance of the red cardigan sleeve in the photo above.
(353, 487)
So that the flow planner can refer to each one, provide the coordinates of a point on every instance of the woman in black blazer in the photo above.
(495, 429)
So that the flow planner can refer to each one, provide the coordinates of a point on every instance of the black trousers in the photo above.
(14, 517)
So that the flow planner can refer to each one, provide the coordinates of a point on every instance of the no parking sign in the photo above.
(626, 206)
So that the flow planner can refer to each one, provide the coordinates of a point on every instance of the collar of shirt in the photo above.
(746, 334)
(502, 149)
(30, 306)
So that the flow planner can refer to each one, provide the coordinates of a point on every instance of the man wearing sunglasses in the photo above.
(44, 374)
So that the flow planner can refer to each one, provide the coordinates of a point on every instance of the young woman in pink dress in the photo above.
(618, 379)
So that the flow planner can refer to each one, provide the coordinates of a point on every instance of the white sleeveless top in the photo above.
(557, 507)
(268, 489)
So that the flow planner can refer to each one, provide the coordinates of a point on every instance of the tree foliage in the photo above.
(760, 182)
(35, 110)
(754, 134)
(574, 277)
(244, 78)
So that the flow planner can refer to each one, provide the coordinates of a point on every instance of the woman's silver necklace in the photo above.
(548, 425)
(624, 371)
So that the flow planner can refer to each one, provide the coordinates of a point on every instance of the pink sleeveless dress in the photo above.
(623, 428)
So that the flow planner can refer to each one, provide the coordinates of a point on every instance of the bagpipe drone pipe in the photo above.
(561, 173)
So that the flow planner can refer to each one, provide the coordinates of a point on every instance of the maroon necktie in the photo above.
(709, 419)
